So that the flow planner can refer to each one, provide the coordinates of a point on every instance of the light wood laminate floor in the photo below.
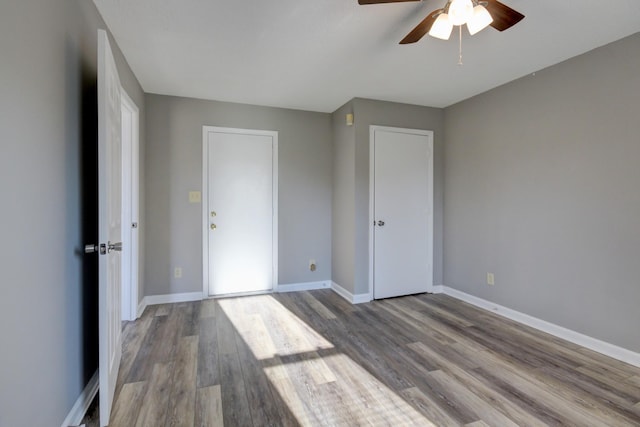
(311, 358)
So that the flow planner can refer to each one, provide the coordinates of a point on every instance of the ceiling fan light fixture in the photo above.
(480, 20)
(442, 27)
(460, 11)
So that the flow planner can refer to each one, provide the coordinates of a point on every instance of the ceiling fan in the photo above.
(476, 14)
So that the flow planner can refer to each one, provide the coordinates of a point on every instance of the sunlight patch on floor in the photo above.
(269, 329)
(354, 398)
(319, 387)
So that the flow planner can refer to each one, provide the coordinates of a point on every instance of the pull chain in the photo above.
(460, 46)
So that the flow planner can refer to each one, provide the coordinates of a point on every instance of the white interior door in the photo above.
(402, 211)
(110, 217)
(240, 210)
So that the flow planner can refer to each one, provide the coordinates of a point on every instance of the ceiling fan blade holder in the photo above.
(422, 28)
(503, 16)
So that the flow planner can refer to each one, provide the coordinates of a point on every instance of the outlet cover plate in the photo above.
(491, 279)
(195, 197)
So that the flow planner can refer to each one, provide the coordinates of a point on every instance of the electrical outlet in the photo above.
(312, 264)
(177, 272)
(490, 279)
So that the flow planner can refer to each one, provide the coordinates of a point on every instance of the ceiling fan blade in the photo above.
(421, 29)
(503, 16)
(381, 1)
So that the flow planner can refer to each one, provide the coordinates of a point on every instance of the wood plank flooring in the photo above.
(312, 359)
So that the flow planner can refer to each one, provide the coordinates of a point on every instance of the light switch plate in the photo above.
(194, 197)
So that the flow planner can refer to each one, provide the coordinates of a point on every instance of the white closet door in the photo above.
(403, 209)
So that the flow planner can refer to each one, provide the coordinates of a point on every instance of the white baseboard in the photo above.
(306, 286)
(353, 299)
(594, 344)
(167, 299)
(197, 296)
(438, 289)
(361, 298)
(288, 287)
(141, 306)
(79, 408)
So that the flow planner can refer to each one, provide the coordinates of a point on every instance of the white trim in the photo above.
(168, 299)
(79, 409)
(421, 132)
(353, 299)
(205, 213)
(438, 289)
(594, 344)
(361, 298)
(130, 209)
(372, 208)
(306, 286)
(205, 200)
(274, 205)
(142, 306)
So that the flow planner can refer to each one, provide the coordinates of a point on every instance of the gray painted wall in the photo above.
(48, 296)
(351, 183)
(174, 167)
(343, 215)
(542, 188)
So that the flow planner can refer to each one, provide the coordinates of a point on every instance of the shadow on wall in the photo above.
(89, 202)
(82, 205)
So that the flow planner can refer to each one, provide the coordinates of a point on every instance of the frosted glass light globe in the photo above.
(480, 20)
(460, 11)
(441, 28)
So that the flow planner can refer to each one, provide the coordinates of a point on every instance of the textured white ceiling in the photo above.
(316, 55)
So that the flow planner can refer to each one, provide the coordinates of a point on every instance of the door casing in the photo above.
(130, 206)
(205, 200)
(429, 134)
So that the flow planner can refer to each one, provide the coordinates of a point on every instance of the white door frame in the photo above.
(130, 206)
(205, 199)
(372, 130)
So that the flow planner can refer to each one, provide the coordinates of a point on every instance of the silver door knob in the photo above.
(101, 249)
(89, 249)
(380, 223)
(114, 247)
